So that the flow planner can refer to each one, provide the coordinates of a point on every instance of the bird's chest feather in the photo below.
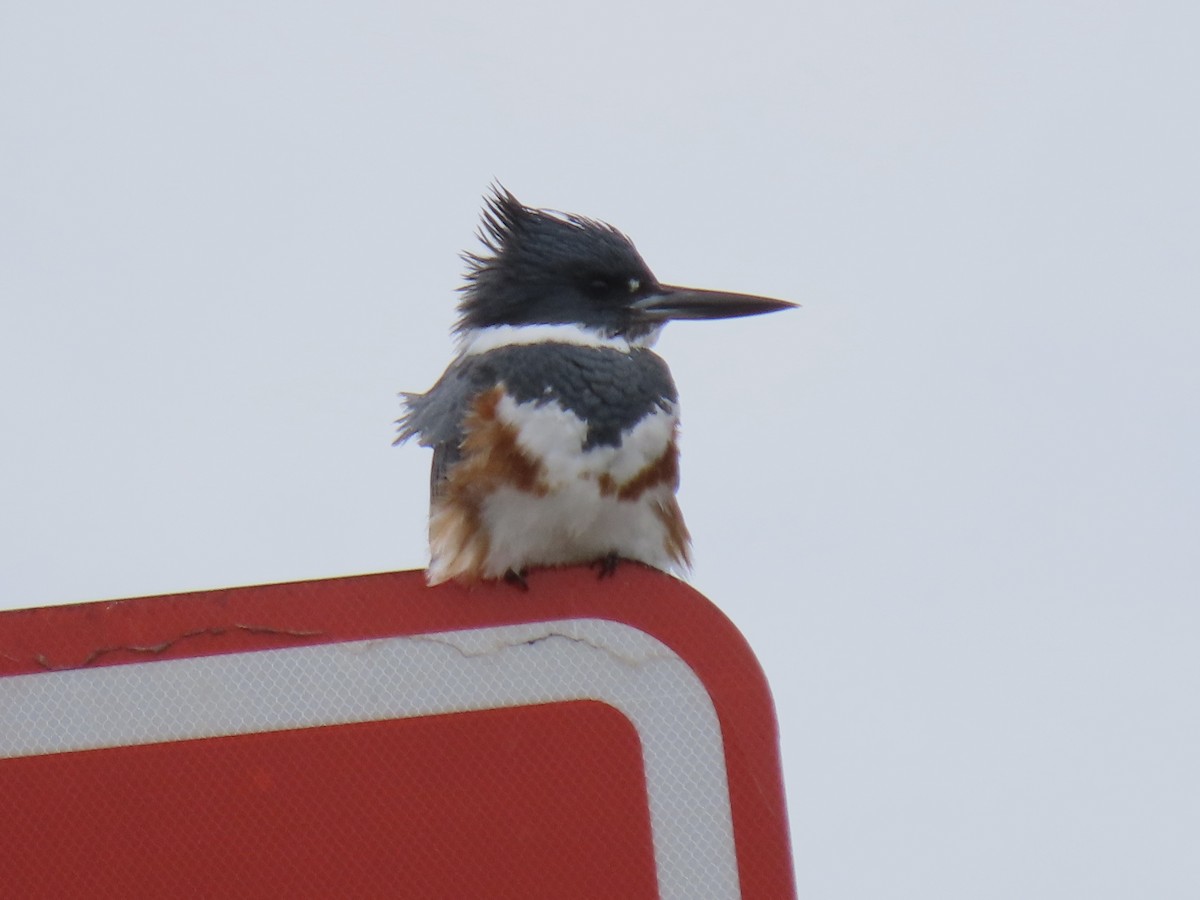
(528, 490)
(541, 447)
(570, 502)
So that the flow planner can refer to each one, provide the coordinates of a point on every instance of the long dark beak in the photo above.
(671, 302)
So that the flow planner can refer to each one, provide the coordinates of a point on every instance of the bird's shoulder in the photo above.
(611, 387)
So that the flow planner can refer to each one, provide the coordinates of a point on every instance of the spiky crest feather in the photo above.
(523, 244)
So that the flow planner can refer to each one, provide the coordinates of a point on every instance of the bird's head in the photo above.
(547, 268)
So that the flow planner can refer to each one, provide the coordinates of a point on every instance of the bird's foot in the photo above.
(608, 565)
(516, 578)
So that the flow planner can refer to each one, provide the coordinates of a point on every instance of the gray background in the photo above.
(952, 502)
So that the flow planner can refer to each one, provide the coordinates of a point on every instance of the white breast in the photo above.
(576, 520)
(554, 437)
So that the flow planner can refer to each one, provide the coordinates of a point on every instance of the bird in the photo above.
(555, 428)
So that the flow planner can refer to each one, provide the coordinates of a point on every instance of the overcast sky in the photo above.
(953, 501)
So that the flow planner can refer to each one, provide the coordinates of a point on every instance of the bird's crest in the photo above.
(528, 250)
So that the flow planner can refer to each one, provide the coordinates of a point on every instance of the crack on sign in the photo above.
(632, 662)
(155, 649)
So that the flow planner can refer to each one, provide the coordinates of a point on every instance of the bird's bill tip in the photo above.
(672, 302)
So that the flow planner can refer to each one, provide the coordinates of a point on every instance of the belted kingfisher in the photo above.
(554, 429)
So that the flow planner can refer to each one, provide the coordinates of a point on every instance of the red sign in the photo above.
(370, 736)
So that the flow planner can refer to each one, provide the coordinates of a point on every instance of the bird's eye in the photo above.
(598, 286)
